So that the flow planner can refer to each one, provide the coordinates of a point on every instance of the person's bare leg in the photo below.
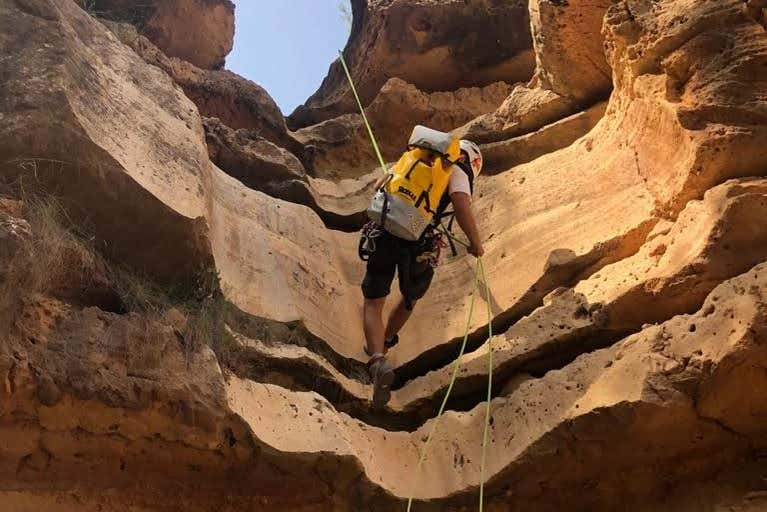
(373, 324)
(397, 318)
(380, 371)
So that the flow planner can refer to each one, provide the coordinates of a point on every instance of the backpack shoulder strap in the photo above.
(468, 172)
(444, 203)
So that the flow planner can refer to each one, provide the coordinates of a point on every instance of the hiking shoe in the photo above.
(388, 343)
(383, 377)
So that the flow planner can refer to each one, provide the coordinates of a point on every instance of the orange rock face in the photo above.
(237, 102)
(436, 46)
(341, 147)
(626, 267)
(197, 31)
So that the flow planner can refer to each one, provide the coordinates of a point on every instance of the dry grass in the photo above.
(58, 260)
(46, 260)
(135, 13)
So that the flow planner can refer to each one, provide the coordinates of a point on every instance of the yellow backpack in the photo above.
(407, 202)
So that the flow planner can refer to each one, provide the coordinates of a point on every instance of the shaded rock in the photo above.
(263, 166)
(197, 31)
(86, 119)
(571, 72)
(569, 48)
(259, 163)
(434, 46)
(526, 109)
(236, 101)
(757, 9)
(341, 147)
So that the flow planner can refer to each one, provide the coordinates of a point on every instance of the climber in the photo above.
(403, 236)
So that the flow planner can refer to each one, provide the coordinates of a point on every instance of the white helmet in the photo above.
(475, 156)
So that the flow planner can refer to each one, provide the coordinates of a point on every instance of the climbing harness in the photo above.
(479, 275)
(436, 242)
(371, 232)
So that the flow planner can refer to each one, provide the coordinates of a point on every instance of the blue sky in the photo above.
(286, 46)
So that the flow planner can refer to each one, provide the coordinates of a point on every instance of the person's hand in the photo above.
(476, 250)
(380, 182)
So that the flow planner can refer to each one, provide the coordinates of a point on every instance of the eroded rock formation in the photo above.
(434, 46)
(197, 31)
(571, 71)
(341, 146)
(237, 102)
(625, 270)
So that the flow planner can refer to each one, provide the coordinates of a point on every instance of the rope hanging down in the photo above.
(362, 111)
(479, 274)
(456, 366)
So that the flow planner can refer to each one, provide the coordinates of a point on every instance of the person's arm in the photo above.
(465, 217)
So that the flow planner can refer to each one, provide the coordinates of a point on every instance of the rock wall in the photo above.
(341, 146)
(198, 31)
(626, 278)
(434, 46)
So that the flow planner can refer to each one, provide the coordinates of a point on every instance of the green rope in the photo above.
(362, 111)
(489, 385)
(456, 366)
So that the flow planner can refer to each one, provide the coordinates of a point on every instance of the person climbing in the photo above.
(403, 236)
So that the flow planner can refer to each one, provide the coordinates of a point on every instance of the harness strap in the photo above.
(367, 244)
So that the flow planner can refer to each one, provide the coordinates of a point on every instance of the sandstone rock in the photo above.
(554, 194)
(571, 71)
(525, 110)
(703, 116)
(506, 154)
(569, 51)
(434, 46)
(123, 158)
(197, 31)
(589, 198)
(341, 146)
(319, 273)
(589, 401)
(236, 101)
(629, 225)
(683, 412)
(712, 240)
(261, 165)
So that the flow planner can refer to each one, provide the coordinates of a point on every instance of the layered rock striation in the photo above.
(625, 262)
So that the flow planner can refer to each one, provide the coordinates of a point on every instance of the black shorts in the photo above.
(393, 253)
